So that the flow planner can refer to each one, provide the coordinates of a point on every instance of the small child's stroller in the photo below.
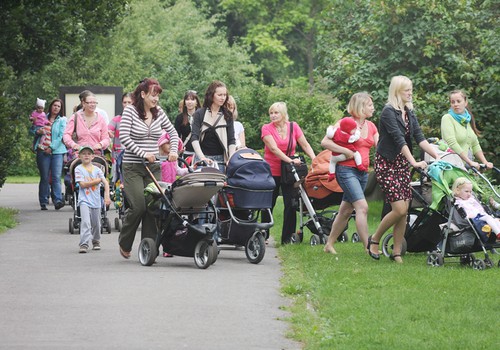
(461, 237)
(317, 194)
(249, 190)
(74, 222)
(186, 217)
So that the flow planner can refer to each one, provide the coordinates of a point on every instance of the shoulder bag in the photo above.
(286, 168)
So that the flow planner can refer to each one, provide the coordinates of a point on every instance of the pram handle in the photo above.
(485, 178)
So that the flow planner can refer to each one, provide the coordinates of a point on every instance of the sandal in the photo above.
(370, 242)
(125, 254)
(393, 257)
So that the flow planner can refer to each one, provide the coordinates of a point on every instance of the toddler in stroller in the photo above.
(474, 210)
(72, 189)
(462, 234)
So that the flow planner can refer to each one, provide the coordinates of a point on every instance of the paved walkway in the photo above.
(51, 297)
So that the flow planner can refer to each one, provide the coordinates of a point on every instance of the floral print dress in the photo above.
(393, 176)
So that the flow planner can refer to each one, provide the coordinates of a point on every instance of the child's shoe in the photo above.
(167, 255)
(96, 245)
(83, 249)
(331, 177)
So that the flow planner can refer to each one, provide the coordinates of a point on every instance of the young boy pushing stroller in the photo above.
(89, 178)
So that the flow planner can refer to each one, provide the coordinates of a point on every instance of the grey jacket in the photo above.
(392, 132)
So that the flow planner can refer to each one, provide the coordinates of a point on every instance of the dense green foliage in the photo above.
(441, 45)
(264, 51)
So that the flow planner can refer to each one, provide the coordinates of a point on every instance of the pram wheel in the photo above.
(118, 224)
(315, 240)
(478, 264)
(355, 237)
(203, 254)
(435, 259)
(147, 252)
(255, 248)
(388, 245)
(215, 252)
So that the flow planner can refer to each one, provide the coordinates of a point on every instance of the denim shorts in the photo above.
(352, 181)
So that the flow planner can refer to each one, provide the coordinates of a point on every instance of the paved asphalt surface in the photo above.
(51, 297)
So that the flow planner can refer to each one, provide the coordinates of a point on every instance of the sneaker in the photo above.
(83, 249)
(59, 205)
(96, 245)
(43, 207)
(167, 255)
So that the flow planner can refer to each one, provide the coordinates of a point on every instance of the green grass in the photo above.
(7, 219)
(22, 179)
(350, 301)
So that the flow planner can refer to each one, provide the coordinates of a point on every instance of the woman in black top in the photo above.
(184, 120)
(213, 128)
(397, 126)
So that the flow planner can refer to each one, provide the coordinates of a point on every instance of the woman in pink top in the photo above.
(275, 136)
(91, 128)
(351, 179)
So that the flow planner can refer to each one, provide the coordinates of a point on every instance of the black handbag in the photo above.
(286, 168)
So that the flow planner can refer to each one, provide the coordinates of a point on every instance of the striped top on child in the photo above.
(138, 138)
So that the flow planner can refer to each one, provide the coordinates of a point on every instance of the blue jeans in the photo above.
(353, 183)
(49, 165)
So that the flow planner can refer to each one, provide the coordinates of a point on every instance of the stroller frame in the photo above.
(173, 221)
(74, 222)
(244, 229)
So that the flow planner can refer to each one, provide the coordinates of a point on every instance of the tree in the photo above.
(441, 45)
(281, 34)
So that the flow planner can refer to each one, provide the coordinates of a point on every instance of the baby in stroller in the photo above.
(345, 135)
(462, 191)
(169, 170)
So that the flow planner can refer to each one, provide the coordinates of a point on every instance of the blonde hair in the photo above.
(357, 103)
(232, 103)
(280, 107)
(399, 83)
(459, 182)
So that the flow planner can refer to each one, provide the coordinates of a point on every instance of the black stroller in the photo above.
(72, 194)
(249, 190)
(186, 217)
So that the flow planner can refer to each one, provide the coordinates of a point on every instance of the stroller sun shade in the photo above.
(247, 169)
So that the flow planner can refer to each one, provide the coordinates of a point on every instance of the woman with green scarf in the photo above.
(458, 130)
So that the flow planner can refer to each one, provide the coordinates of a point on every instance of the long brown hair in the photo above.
(472, 120)
(209, 98)
(189, 95)
(60, 111)
(148, 85)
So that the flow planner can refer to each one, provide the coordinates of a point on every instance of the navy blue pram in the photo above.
(249, 190)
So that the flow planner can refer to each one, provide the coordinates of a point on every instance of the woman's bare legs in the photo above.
(397, 218)
(345, 211)
(361, 207)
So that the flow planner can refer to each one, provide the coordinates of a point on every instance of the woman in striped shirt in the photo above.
(141, 126)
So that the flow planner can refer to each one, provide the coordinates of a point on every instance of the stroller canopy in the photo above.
(247, 169)
(316, 183)
(443, 174)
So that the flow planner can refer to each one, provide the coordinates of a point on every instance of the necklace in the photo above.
(360, 125)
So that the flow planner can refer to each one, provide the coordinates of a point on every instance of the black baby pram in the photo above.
(249, 190)
(315, 197)
(72, 192)
(186, 217)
